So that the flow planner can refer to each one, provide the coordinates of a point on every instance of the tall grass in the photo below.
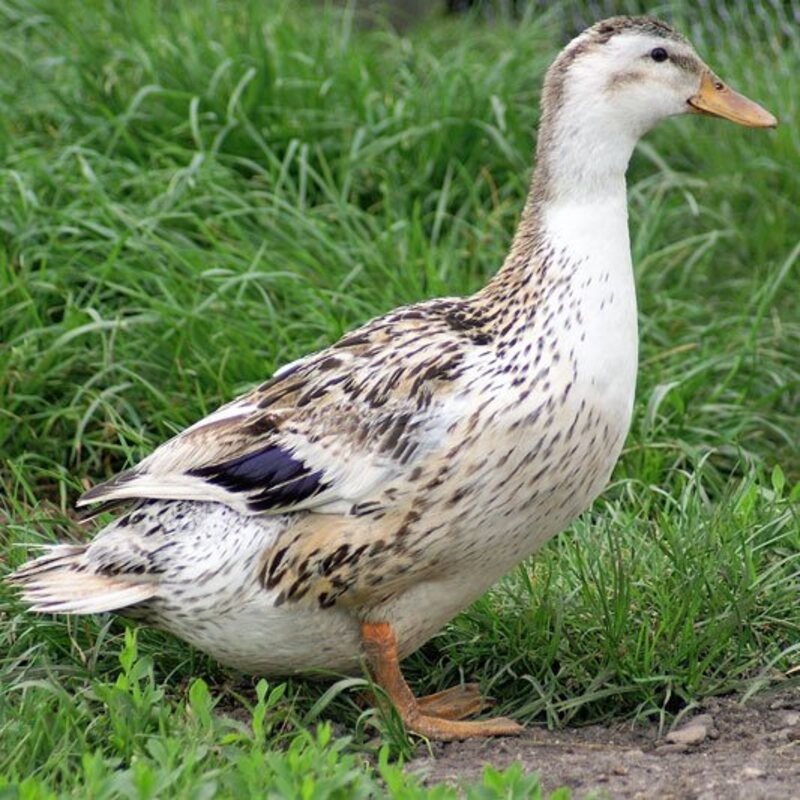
(196, 193)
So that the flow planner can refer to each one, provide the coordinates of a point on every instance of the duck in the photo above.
(337, 516)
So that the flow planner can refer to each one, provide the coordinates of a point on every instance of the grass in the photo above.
(195, 193)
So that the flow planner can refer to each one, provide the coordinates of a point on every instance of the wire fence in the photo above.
(768, 20)
(706, 21)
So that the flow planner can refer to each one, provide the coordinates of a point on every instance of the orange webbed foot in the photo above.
(438, 716)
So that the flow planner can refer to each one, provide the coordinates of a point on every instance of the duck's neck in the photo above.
(581, 157)
(576, 210)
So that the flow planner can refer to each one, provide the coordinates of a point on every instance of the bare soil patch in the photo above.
(727, 750)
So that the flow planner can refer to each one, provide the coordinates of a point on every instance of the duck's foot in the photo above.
(438, 716)
(457, 703)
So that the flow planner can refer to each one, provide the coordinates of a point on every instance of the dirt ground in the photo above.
(723, 751)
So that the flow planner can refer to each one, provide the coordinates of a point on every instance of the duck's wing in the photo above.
(326, 432)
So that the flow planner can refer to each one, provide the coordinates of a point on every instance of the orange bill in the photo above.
(718, 100)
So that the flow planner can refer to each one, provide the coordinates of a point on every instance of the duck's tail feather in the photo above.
(63, 582)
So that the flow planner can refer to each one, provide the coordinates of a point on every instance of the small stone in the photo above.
(689, 734)
(790, 718)
(752, 772)
(620, 770)
(782, 702)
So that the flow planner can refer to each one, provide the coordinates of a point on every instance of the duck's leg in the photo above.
(381, 649)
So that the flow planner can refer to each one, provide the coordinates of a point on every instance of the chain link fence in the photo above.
(706, 21)
(777, 20)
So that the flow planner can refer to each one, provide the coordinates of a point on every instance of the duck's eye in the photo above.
(659, 54)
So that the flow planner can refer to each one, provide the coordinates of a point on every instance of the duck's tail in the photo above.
(64, 581)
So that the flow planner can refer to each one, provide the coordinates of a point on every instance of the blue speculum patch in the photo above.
(282, 479)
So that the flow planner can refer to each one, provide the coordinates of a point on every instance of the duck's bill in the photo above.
(718, 100)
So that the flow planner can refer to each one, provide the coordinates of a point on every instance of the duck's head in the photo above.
(609, 86)
(632, 72)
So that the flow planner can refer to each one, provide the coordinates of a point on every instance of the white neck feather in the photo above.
(591, 233)
(592, 230)
(585, 154)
